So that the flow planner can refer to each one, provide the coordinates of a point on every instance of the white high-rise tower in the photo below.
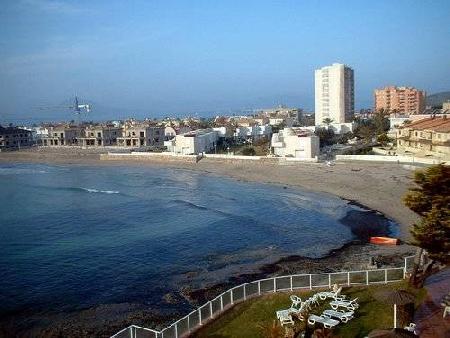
(334, 94)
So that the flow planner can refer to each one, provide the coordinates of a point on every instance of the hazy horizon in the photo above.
(163, 58)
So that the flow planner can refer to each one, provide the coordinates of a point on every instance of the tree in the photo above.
(381, 121)
(383, 139)
(430, 199)
(249, 151)
(327, 121)
(325, 135)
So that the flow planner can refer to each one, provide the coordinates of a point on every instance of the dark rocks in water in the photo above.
(365, 224)
(170, 298)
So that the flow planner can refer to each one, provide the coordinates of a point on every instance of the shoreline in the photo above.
(107, 319)
(375, 186)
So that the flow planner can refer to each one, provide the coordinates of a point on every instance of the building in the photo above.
(141, 135)
(169, 133)
(12, 138)
(224, 132)
(407, 100)
(446, 105)
(194, 142)
(295, 142)
(334, 94)
(254, 132)
(100, 136)
(39, 133)
(430, 136)
(62, 135)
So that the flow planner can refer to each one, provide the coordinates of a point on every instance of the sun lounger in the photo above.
(327, 322)
(341, 315)
(348, 304)
(336, 295)
(284, 316)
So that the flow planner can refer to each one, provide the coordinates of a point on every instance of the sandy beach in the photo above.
(378, 186)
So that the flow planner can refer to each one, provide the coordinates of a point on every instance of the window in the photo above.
(142, 134)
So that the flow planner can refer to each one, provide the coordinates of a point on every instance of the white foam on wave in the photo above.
(100, 191)
(20, 171)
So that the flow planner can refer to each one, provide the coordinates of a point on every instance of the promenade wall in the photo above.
(387, 158)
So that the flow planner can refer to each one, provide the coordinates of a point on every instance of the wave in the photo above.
(200, 207)
(90, 190)
(20, 171)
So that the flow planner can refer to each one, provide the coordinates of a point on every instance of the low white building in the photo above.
(169, 133)
(194, 142)
(338, 128)
(254, 132)
(223, 132)
(295, 142)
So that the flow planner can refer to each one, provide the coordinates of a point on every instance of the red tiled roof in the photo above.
(437, 124)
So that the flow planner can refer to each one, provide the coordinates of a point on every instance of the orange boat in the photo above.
(384, 240)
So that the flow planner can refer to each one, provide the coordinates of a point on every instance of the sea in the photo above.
(74, 237)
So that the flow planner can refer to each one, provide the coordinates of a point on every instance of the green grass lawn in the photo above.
(255, 317)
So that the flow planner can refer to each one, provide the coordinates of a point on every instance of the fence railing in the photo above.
(211, 309)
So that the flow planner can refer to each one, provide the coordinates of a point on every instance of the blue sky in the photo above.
(154, 58)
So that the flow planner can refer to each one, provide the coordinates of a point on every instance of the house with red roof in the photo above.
(426, 137)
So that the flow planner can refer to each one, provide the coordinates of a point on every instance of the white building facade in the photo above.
(334, 94)
(296, 142)
(194, 142)
(254, 132)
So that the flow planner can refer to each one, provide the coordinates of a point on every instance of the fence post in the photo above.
(221, 302)
(189, 323)
(291, 282)
(210, 309)
(176, 329)
(231, 296)
(367, 277)
(385, 276)
(200, 316)
(329, 280)
(259, 288)
(404, 268)
(348, 278)
(310, 282)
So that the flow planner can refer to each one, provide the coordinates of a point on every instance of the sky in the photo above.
(163, 58)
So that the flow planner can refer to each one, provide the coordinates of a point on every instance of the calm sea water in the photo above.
(72, 237)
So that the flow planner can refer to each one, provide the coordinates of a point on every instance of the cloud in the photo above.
(52, 6)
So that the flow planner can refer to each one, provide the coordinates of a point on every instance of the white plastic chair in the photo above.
(296, 301)
(411, 328)
(336, 295)
(348, 304)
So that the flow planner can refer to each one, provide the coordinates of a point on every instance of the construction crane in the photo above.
(79, 107)
(76, 107)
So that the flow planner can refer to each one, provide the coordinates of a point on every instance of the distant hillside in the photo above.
(437, 99)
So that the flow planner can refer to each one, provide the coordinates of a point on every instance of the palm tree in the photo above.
(327, 121)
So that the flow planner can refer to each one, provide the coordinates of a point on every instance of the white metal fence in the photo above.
(184, 326)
